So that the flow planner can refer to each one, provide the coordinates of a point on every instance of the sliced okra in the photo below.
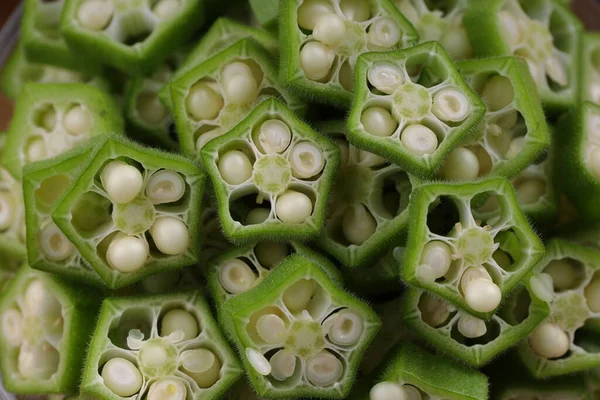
(474, 248)
(322, 39)
(266, 13)
(132, 36)
(546, 34)
(272, 174)
(156, 348)
(536, 192)
(590, 65)
(299, 334)
(412, 107)
(51, 119)
(133, 212)
(45, 324)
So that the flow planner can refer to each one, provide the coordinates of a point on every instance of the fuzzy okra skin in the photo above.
(133, 211)
(299, 334)
(412, 107)
(158, 347)
(321, 40)
(45, 324)
(590, 65)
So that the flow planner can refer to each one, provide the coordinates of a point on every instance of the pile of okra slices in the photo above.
(292, 199)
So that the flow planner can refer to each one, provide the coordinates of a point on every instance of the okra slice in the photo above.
(558, 345)
(536, 192)
(299, 333)
(158, 347)
(412, 107)
(51, 119)
(513, 131)
(321, 40)
(45, 324)
(12, 212)
(543, 32)
(133, 212)
(474, 248)
(132, 36)
(216, 95)
(591, 68)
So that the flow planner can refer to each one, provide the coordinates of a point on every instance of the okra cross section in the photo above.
(473, 248)
(321, 40)
(299, 334)
(272, 175)
(45, 324)
(133, 211)
(412, 107)
(158, 347)
(590, 64)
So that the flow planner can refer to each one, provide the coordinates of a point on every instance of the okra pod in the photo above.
(590, 64)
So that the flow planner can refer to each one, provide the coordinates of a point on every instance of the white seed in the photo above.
(121, 377)
(592, 295)
(419, 139)
(54, 244)
(358, 224)
(269, 254)
(306, 160)
(516, 147)
(345, 327)
(471, 327)
(165, 186)
(171, 235)
(461, 165)
(549, 341)
(385, 77)
(412, 393)
(179, 320)
(316, 60)
(127, 253)
(202, 365)
(450, 105)
(378, 121)
(297, 296)
(293, 207)
(203, 103)
(384, 33)
(355, 10)
(435, 262)
(368, 159)
(167, 389)
(239, 84)
(12, 326)
(329, 29)
(236, 276)
(39, 301)
(271, 328)
(258, 361)
(36, 150)
(283, 365)
(257, 216)
(150, 109)
(121, 181)
(481, 293)
(594, 91)
(530, 191)
(456, 42)
(557, 71)
(542, 287)
(510, 27)
(38, 362)
(207, 137)
(387, 391)
(7, 210)
(77, 121)
(235, 167)
(95, 14)
(498, 92)
(310, 10)
(275, 136)
(434, 312)
(324, 369)
(595, 161)
(166, 9)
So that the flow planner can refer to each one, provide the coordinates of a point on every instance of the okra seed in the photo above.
(203, 103)
(12, 326)
(358, 224)
(355, 10)
(150, 109)
(450, 105)
(271, 328)
(384, 33)
(346, 329)
(77, 121)
(369, 159)
(171, 235)
(461, 165)
(498, 92)
(121, 377)
(202, 365)
(166, 9)
(310, 10)
(385, 77)
(127, 253)
(471, 327)
(437, 256)
(434, 312)
(306, 160)
(40, 302)
(516, 147)
(548, 340)
(36, 150)
(283, 365)
(456, 42)
(592, 295)
(387, 391)
(378, 121)
(481, 293)
(95, 14)
(530, 191)
(329, 29)
(258, 362)
(595, 161)
(38, 362)
(412, 393)
(298, 295)
(121, 181)
(165, 187)
(324, 369)
(207, 137)
(235, 167)
(269, 254)
(556, 71)
(257, 216)
(167, 389)
(179, 320)
(275, 136)
(7, 210)
(239, 84)
(510, 27)
(542, 287)
(236, 276)
(316, 60)
(54, 244)
(293, 207)
(419, 139)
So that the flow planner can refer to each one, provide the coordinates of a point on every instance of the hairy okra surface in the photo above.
(321, 40)
(412, 107)
(133, 211)
(272, 174)
(590, 65)
(299, 334)
(159, 347)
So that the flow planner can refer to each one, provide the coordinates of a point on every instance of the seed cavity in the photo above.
(7, 210)
(298, 295)
(385, 77)
(269, 254)
(434, 311)
(563, 273)
(165, 187)
(462, 164)
(236, 276)
(257, 216)
(450, 105)
(12, 326)
(170, 235)
(419, 139)
(329, 29)
(271, 328)
(306, 160)
(239, 85)
(150, 109)
(309, 12)
(258, 362)
(38, 362)
(36, 150)
(387, 391)
(344, 328)
(167, 389)
(203, 103)
(383, 33)
(235, 167)
(355, 10)
(275, 136)
(498, 92)
(471, 327)
(592, 295)
(435, 262)
(542, 287)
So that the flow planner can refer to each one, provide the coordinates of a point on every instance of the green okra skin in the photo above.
(400, 110)
(318, 55)
(45, 324)
(462, 255)
(287, 331)
(537, 194)
(545, 33)
(133, 211)
(590, 68)
(212, 239)
(134, 37)
(266, 13)
(169, 344)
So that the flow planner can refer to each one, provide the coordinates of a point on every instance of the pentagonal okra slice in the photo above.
(321, 40)
(216, 95)
(546, 34)
(51, 119)
(45, 323)
(134, 37)
(473, 248)
(591, 68)
(367, 207)
(158, 347)
(536, 192)
(299, 334)
(558, 345)
(133, 211)
(412, 107)
(513, 131)
(272, 175)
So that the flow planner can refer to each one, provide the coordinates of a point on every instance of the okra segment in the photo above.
(158, 347)
(272, 175)
(412, 107)
(473, 248)
(299, 334)
(321, 40)
(133, 211)
(590, 64)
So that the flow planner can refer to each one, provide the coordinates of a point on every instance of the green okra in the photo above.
(590, 66)
(592, 382)
(272, 175)
(545, 33)
(475, 255)
(321, 41)
(45, 325)
(133, 211)
(132, 36)
(266, 13)
(377, 279)
(299, 334)
(536, 192)
(51, 119)
(402, 107)
(8, 270)
(158, 347)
